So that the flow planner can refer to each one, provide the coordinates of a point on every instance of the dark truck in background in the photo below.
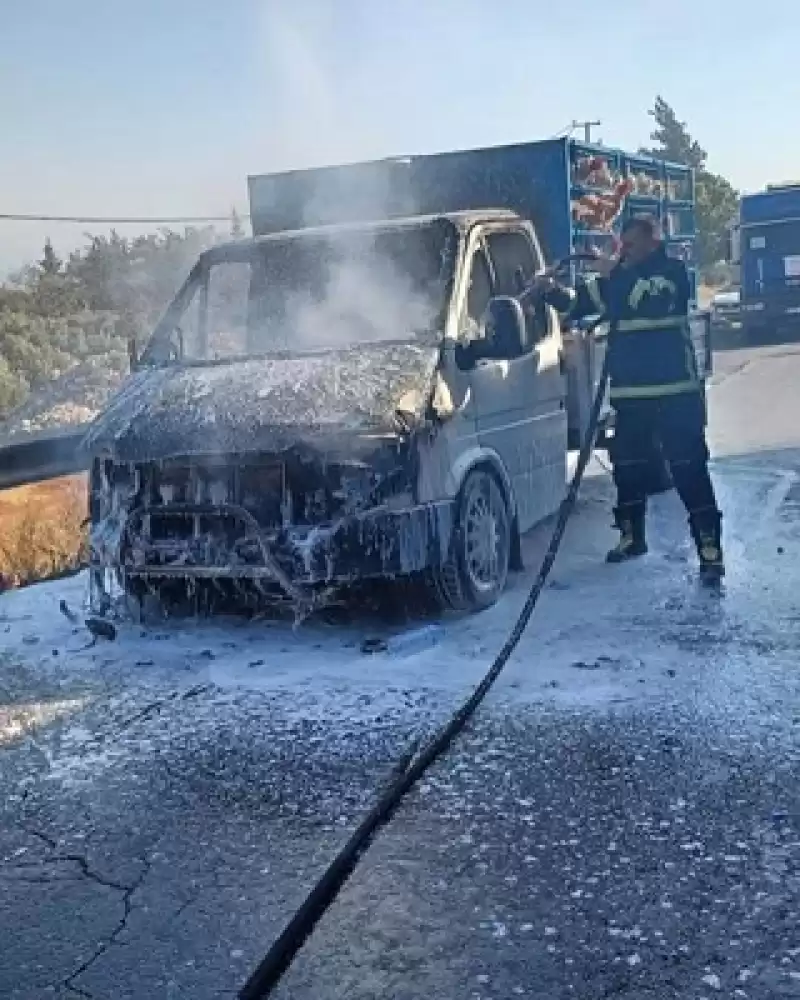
(765, 242)
(355, 393)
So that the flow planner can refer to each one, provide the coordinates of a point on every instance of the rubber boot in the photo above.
(630, 523)
(706, 528)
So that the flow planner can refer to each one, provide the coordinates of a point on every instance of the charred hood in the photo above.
(263, 404)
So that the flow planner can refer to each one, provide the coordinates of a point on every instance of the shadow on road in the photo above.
(733, 340)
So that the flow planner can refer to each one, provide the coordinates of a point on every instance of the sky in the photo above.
(163, 107)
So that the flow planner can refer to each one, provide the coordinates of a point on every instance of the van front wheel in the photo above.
(476, 569)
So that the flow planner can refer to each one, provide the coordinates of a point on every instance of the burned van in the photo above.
(332, 405)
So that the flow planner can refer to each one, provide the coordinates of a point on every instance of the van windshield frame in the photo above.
(312, 292)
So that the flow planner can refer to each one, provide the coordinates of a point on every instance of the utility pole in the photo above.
(587, 129)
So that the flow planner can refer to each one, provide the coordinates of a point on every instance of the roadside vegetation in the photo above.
(42, 530)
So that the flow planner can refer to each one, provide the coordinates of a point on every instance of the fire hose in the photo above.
(408, 771)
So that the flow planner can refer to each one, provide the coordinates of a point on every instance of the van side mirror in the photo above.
(505, 328)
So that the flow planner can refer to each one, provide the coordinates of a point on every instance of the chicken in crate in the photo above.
(601, 203)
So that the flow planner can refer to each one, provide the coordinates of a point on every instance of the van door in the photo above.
(479, 288)
(439, 473)
(521, 402)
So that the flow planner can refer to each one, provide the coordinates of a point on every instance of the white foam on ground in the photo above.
(598, 639)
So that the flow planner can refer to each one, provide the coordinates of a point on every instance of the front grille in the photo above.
(259, 487)
(262, 490)
(276, 492)
(183, 527)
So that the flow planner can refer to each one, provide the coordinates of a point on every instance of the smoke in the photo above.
(366, 289)
(364, 298)
(310, 113)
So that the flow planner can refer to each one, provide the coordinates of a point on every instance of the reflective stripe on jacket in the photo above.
(647, 308)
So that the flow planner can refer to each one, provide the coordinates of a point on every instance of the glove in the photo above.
(603, 264)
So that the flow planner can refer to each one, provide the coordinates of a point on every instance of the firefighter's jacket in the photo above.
(650, 347)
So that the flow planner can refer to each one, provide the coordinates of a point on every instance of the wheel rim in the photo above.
(485, 537)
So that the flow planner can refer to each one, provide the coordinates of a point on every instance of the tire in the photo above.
(476, 569)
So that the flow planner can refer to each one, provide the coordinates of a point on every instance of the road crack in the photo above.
(102, 948)
(78, 859)
(87, 871)
(79, 992)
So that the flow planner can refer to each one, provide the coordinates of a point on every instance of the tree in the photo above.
(717, 205)
(71, 321)
(52, 293)
(13, 388)
(138, 276)
(50, 264)
(716, 199)
(672, 136)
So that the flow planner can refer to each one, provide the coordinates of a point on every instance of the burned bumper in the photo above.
(225, 542)
(285, 526)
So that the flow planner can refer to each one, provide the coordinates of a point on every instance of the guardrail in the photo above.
(40, 455)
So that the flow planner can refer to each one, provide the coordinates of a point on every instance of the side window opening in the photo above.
(480, 290)
(187, 335)
(228, 289)
(514, 258)
(510, 253)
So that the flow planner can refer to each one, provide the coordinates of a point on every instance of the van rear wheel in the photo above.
(476, 569)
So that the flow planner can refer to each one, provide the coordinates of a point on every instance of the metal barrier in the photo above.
(40, 455)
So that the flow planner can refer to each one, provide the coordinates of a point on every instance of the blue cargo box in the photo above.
(770, 256)
(554, 183)
(772, 205)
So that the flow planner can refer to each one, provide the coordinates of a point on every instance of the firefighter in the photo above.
(656, 390)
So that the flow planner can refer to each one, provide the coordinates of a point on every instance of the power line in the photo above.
(100, 220)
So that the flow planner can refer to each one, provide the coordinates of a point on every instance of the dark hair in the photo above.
(647, 225)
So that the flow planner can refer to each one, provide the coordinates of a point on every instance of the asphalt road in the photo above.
(622, 819)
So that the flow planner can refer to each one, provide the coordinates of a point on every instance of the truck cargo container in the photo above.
(766, 245)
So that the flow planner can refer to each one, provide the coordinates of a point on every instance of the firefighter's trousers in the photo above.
(676, 424)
